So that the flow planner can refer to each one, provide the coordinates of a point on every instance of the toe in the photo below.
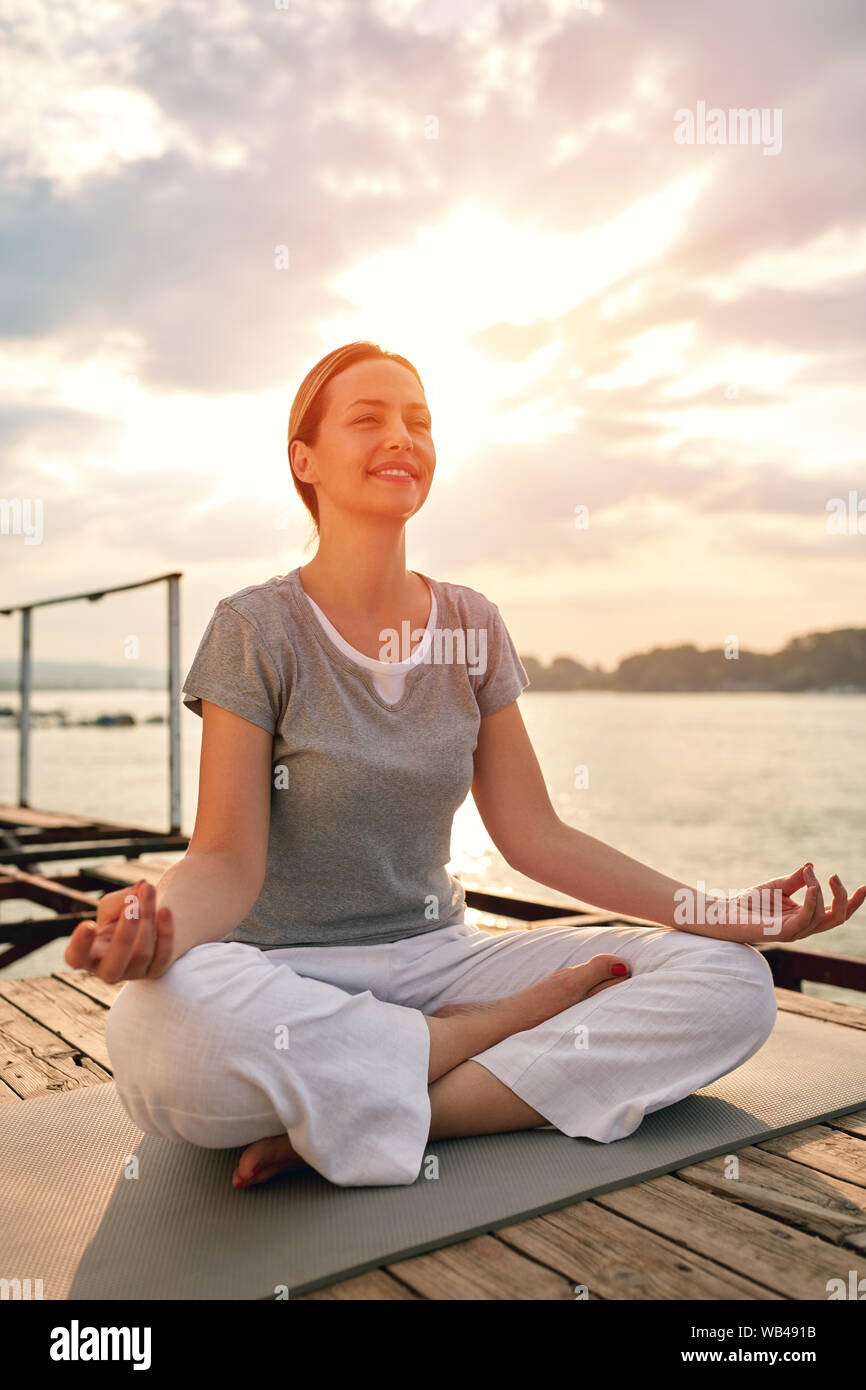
(601, 967)
(263, 1151)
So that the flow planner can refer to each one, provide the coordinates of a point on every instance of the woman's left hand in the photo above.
(776, 917)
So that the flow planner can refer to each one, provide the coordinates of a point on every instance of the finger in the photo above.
(131, 903)
(111, 906)
(164, 943)
(115, 962)
(857, 899)
(801, 923)
(143, 948)
(77, 953)
(812, 881)
(790, 884)
(836, 913)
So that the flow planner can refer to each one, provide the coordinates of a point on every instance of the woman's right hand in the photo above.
(128, 941)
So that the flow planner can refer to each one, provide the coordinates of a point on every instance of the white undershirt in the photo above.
(389, 677)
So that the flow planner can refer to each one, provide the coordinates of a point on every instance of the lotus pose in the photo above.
(303, 982)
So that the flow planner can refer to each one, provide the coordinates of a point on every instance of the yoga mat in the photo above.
(98, 1210)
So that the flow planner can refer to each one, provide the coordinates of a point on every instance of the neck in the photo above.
(361, 569)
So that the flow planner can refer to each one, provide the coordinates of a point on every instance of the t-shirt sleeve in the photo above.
(233, 669)
(504, 677)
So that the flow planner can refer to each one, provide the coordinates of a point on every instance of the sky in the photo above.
(638, 318)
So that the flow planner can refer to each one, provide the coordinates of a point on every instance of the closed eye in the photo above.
(425, 424)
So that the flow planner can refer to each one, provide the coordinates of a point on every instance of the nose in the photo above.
(399, 435)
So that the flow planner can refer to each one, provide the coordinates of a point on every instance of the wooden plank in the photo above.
(35, 1062)
(67, 1012)
(824, 1205)
(824, 1149)
(12, 817)
(853, 1123)
(27, 815)
(39, 888)
(828, 1009)
(375, 1286)
(91, 985)
(7, 1095)
(616, 1259)
(823, 1008)
(792, 965)
(588, 919)
(480, 1268)
(790, 1262)
(131, 870)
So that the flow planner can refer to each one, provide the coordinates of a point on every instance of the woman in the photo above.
(303, 982)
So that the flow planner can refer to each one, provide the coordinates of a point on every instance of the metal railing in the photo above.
(26, 681)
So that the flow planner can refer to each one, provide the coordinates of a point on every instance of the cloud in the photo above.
(157, 154)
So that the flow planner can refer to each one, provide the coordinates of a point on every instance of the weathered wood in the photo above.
(691, 1235)
(91, 985)
(27, 815)
(378, 1285)
(39, 888)
(480, 1268)
(35, 1062)
(851, 1015)
(7, 1095)
(815, 1202)
(617, 1259)
(853, 1123)
(67, 1012)
(791, 964)
(588, 919)
(824, 1149)
(786, 1261)
(129, 871)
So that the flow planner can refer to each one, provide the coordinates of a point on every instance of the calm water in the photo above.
(731, 789)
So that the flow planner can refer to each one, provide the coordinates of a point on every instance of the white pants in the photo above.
(329, 1043)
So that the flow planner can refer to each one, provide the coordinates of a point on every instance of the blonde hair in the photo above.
(311, 403)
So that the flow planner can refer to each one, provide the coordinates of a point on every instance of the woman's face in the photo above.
(377, 418)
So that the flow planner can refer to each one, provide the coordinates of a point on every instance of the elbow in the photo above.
(244, 870)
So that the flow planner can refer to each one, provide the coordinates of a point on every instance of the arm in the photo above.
(219, 879)
(512, 800)
(207, 893)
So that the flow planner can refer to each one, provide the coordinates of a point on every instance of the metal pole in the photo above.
(24, 685)
(174, 700)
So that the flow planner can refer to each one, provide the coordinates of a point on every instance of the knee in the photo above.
(128, 1030)
(750, 1006)
(158, 1033)
(763, 1006)
(732, 977)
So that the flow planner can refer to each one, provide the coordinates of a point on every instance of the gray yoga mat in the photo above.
(74, 1213)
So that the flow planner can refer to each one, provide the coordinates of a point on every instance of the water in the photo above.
(730, 789)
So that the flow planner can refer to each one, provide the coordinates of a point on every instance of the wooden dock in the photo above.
(775, 1234)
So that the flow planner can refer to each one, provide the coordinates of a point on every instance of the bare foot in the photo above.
(531, 1006)
(491, 1022)
(264, 1159)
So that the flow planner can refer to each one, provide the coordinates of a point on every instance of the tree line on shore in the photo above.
(818, 661)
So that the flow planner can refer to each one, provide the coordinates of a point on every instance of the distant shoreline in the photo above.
(818, 663)
(60, 718)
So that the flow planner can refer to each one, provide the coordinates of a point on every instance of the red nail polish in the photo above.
(619, 969)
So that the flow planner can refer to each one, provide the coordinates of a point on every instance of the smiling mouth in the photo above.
(394, 475)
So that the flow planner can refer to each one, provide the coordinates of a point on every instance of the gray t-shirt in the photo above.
(363, 793)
